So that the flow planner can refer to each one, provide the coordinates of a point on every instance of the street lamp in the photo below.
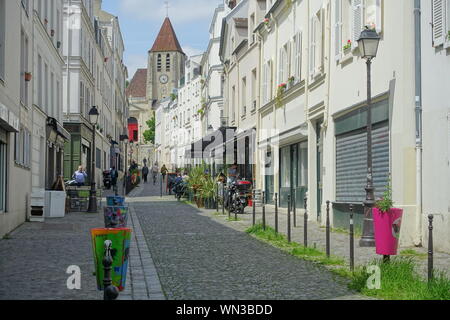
(368, 46)
(124, 139)
(93, 119)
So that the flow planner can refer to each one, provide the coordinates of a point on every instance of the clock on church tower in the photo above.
(166, 62)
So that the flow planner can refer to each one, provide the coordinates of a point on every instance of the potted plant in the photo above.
(387, 222)
(291, 81)
(52, 32)
(28, 76)
(348, 46)
(448, 35)
(280, 91)
(267, 22)
(58, 44)
(208, 192)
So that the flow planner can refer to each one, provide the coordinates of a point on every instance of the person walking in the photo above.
(145, 173)
(114, 176)
(80, 176)
(163, 171)
(155, 171)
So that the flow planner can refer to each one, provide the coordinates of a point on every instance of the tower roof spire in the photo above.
(167, 39)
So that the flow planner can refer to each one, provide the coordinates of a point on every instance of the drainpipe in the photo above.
(418, 101)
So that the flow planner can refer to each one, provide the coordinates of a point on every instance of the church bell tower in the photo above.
(166, 62)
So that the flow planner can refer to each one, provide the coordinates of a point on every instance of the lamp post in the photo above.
(124, 139)
(93, 119)
(368, 46)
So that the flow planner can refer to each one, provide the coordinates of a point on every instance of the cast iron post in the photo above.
(368, 239)
(294, 210)
(110, 292)
(276, 212)
(254, 207)
(352, 248)
(93, 193)
(305, 223)
(289, 218)
(264, 209)
(430, 247)
(328, 229)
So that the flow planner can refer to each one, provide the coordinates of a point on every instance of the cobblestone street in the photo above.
(198, 258)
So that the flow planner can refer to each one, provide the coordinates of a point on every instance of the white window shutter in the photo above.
(438, 22)
(299, 56)
(379, 20)
(357, 21)
(321, 26)
(312, 47)
(338, 29)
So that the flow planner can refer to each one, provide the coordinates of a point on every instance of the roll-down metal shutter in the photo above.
(351, 163)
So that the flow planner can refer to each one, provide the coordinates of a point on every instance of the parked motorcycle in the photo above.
(238, 196)
(179, 189)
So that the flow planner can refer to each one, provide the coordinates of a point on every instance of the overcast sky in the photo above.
(140, 21)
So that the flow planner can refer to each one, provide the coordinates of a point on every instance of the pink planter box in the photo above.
(387, 230)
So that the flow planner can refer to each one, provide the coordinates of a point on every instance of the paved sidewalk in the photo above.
(35, 257)
(339, 243)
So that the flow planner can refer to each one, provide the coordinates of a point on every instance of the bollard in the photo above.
(276, 212)
(305, 223)
(217, 197)
(264, 209)
(328, 229)
(289, 218)
(352, 244)
(223, 198)
(254, 207)
(160, 184)
(229, 206)
(430, 248)
(294, 210)
(110, 292)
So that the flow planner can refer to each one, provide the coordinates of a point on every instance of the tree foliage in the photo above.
(149, 135)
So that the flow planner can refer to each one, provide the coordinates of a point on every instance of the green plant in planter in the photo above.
(386, 203)
(448, 35)
(279, 98)
(208, 192)
(348, 45)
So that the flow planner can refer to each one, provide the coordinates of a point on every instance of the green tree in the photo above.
(149, 135)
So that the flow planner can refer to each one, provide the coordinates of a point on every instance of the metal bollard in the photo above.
(254, 207)
(217, 197)
(160, 184)
(328, 229)
(276, 212)
(289, 218)
(294, 210)
(223, 198)
(430, 248)
(264, 209)
(352, 242)
(305, 223)
(110, 292)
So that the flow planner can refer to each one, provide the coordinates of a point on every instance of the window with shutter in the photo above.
(298, 57)
(2, 39)
(448, 21)
(357, 21)
(312, 47)
(438, 22)
(372, 14)
(338, 29)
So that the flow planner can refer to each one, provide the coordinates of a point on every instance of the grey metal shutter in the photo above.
(351, 164)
